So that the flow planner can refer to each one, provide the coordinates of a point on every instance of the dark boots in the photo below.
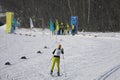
(58, 73)
(51, 72)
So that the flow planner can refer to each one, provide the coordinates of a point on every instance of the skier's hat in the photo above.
(59, 46)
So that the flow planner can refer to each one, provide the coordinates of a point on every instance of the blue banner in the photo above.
(74, 21)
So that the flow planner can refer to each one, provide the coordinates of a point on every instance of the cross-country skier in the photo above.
(56, 59)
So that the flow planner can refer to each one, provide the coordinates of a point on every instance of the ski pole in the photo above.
(49, 62)
(64, 67)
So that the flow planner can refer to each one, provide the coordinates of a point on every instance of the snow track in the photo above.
(109, 73)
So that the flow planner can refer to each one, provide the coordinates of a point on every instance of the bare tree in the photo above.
(70, 7)
(88, 12)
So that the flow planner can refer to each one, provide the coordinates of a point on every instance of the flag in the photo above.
(15, 23)
(31, 23)
(9, 21)
(52, 26)
(57, 25)
(74, 21)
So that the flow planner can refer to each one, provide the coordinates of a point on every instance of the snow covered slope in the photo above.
(87, 57)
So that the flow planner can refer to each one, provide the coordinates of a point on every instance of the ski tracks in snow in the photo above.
(109, 73)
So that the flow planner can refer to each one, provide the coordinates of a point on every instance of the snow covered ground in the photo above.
(88, 55)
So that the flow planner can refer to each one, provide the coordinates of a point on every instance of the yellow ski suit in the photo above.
(56, 59)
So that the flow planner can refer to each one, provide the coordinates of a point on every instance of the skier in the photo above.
(67, 28)
(56, 59)
(73, 29)
(61, 29)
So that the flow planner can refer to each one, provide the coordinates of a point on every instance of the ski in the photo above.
(55, 75)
